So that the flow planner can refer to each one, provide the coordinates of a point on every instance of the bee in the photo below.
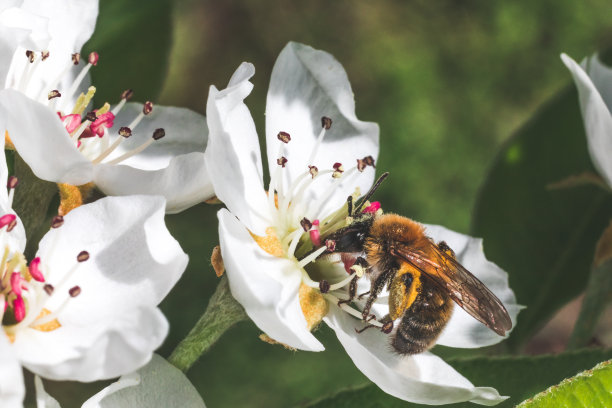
(423, 278)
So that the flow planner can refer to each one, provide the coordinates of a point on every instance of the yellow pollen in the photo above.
(83, 100)
(270, 243)
(72, 197)
(49, 326)
(267, 339)
(8, 143)
(313, 304)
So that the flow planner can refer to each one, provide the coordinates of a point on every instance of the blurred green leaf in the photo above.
(591, 388)
(133, 40)
(545, 238)
(517, 377)
(598, 293)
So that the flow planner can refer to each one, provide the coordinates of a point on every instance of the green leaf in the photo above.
(133, 40)
(543, 237)
(591, 388)
(598, 293)
(517, 377)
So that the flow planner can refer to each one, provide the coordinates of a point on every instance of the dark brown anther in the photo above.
(326, 122)
(91, 116)
(369, 160)
(284, 137)
(127, 94)
(281, 161)
(57, 221)
(324, 286)
(12, 182)
(361, 165)
(306, 224)
(338, 170)
(330, 244)
(48, 288)
(313, 170)
(147, 107)
(83, 256)
(53, 94)
(387, 327)
(76, 58)
(44, 55)
(11, 225)
(30, 55)
(125, 131)
(74, 291)
(159, 133)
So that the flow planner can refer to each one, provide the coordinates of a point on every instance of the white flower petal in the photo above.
(89, 350)
(463, 330)
(42, 141)
(306, 85)
(233, 157)
(16, 238)
(43, 399)
(12, 389)
(596, 117)
(172, 166)
(422, 378)
(158, 384)
(266, 286)
(113, 326)
(70, 24)
(601, 76)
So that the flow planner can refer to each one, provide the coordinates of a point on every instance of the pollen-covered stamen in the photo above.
(125, 96)
(306, 224)
(338, 170)
(81, 76)
(313, 170)
(48, 288)
(28, 69)
(30, 55)
(74, 291)
(76, 58)
(157, 134)
(284, 137)
(53, 94)
(330, 245)
(125, 131)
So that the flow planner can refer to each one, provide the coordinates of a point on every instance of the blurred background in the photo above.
(448, 82)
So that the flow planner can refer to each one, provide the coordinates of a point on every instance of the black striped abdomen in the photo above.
(424, 320)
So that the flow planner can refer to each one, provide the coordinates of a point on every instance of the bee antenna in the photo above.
(349, 203)
(370, 193)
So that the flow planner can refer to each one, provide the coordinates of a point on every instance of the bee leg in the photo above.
(387, 324)
(363, 294)
(375, 290)
(352, 291)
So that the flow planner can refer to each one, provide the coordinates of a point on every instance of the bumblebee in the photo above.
(423, 278)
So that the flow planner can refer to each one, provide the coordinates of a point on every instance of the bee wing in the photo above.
(463, 287)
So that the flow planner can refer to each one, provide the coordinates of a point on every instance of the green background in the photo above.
(448, 82)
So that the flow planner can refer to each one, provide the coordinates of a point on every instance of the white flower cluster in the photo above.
(85, 308)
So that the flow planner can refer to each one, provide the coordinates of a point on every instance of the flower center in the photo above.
(299, 224)
(25, 291)
(89, 130)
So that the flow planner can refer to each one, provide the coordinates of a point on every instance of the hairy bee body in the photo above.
(423, 278)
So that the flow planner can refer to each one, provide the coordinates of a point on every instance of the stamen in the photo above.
(125, 96)
(35, 271)
(284, 137)
(324, 286)
(281, 161)
(16, 283)
(48, 288)
(74, 291)
(125, 131)
(76, 58)
(305, 261)
(83, 256)
(325, 124)
(157, 134)
(57, 221)
(19, 309)
(93, 58)
(338, 170)
(12, 182)
(81, 76)
(53, 94)
(365, 162)
(11, 225)
(306, 224)
(315, 234)
(342, 283)
(295, 239)
(44, 55)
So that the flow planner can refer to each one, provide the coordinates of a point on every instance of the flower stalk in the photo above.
(222, 312)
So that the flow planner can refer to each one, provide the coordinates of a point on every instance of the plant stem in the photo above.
(222, 312)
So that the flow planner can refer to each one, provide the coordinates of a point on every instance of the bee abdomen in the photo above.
(421, 324)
